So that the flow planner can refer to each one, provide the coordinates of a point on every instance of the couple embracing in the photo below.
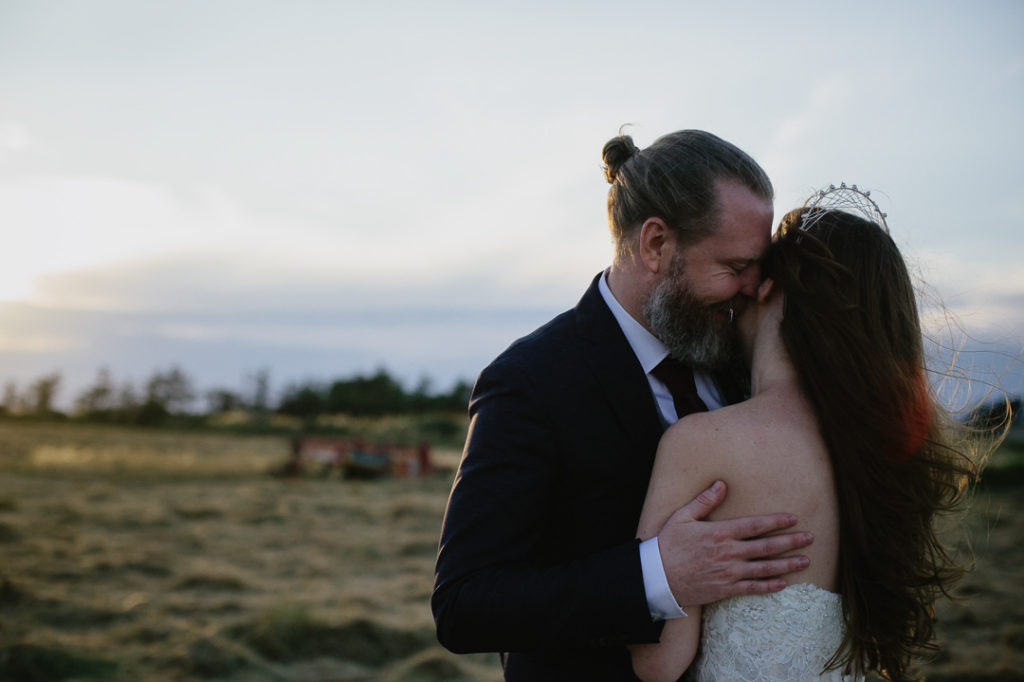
(622, 512)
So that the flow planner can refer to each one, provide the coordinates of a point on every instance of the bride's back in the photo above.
(771, 455)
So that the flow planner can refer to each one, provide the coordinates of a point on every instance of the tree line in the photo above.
(171, 396)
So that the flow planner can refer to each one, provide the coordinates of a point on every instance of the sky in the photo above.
(321, 189)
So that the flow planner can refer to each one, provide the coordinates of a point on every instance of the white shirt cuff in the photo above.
(660, 601)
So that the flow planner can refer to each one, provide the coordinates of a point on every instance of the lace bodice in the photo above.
(788, 635)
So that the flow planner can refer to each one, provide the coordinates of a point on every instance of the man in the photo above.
(538, 556)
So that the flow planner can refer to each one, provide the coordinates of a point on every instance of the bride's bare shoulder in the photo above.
(710, 439)
(724, 423)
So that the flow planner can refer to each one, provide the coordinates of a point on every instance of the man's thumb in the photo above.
(702, 505)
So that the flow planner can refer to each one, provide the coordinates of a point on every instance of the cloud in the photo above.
(224, 282)
(14, 136)
(56, 223)
(820, 104)
(222, 348)
(796, 140)
(21, 342)
(108, 243)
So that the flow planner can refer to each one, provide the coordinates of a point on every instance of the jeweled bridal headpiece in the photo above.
(842, 198)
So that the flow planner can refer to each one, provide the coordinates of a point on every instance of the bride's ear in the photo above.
(764, 289)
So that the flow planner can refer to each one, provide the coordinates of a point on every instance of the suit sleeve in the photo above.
(500, 583)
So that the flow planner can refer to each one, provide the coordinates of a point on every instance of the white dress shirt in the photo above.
(650, 351)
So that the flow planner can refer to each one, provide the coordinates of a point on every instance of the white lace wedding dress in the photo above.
(786, 636)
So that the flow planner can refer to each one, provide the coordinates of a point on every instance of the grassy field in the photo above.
(134, 555)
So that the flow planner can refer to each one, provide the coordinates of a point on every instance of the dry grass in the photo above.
(151, 556)
(133, 555)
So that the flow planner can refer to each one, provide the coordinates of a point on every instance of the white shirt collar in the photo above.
(648, 348)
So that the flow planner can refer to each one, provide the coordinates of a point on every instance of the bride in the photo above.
(840, 430)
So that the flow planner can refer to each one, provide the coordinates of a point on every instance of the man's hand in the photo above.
(710, 560)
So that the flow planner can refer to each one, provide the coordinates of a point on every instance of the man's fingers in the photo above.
(760, 548)
(755, 526)
(705, 503)
(756, 587)
(773, 567)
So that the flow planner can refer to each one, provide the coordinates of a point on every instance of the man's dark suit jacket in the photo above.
(538, 554)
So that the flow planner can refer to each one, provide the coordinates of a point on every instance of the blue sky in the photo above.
(324, 188)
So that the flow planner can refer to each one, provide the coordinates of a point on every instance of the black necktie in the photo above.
(679, 380)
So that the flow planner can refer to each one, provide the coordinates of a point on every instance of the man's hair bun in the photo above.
(616, 152)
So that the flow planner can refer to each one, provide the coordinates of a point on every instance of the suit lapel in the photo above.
(617, 370)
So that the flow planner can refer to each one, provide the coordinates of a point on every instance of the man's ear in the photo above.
(764, 289)
(657, 243)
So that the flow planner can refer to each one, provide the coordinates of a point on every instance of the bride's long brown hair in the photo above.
(852, 331)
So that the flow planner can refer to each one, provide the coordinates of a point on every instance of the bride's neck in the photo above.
(770, 366)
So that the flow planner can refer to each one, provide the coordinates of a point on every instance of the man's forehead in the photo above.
(744, 219)
(738, 240)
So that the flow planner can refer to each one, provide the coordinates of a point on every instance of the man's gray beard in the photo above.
(696, 334)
